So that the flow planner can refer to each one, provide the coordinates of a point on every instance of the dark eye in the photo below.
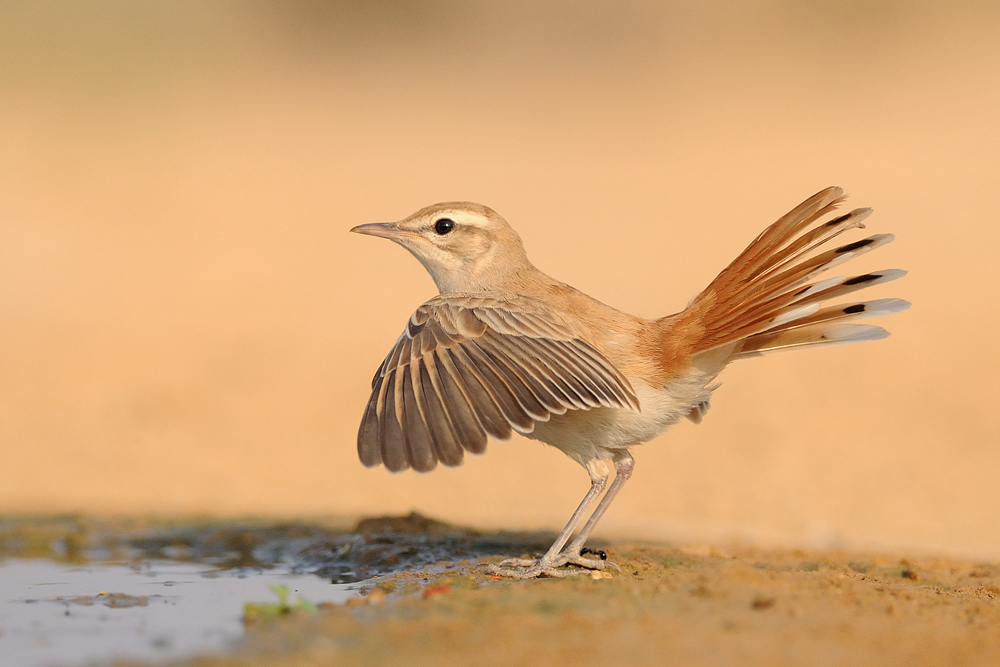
(444, 225)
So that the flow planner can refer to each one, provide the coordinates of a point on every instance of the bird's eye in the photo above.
(444, 225)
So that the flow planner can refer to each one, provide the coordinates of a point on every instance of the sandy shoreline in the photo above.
(426, 600)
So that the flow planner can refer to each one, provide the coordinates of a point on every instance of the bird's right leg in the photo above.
(520, 568)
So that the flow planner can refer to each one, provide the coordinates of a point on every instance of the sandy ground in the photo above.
(669, 604)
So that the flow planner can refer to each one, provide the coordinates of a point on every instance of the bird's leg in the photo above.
(518, 568)
(624, 465)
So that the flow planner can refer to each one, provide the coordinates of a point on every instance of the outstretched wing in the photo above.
(472, 365)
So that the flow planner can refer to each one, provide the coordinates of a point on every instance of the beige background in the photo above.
(186, 326)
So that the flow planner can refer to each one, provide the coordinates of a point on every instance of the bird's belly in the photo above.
(597, 433)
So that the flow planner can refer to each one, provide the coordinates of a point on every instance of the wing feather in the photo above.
(560, 381)
(392, 439)
(533, 374)
(491, 380)
(468, 426)
(575, 373)
(420, 446)
(469, 366)
(446, 446)
(368, 437)
(516, 378)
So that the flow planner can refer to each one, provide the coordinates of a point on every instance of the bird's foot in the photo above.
(530, 568)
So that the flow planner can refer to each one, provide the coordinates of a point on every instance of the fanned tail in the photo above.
(767, 298)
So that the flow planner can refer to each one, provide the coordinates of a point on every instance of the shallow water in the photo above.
(60, 614)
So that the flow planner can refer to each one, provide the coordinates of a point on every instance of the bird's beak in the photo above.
(387, 230)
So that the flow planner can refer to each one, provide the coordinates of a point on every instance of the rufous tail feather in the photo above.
(765, 300)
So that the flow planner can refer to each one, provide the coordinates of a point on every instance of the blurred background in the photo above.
(186, 327)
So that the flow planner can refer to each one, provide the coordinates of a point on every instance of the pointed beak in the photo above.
(387, 230)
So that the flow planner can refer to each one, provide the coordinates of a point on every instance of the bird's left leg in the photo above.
(624, 465)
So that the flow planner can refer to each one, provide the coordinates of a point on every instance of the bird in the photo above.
(504, 348)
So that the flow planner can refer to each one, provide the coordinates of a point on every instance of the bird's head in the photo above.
(466, 247)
